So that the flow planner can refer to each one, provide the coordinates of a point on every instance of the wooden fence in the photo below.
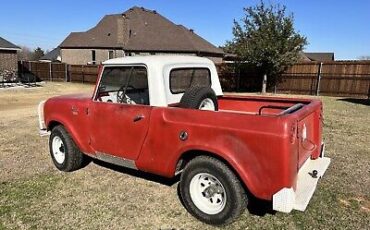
(83, 73)
(46, 71)
(42, 71)
(329, 78)
(337, 78)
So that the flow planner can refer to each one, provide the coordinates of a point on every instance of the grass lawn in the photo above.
(34, 195)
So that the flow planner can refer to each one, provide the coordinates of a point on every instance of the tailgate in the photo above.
(309, 135)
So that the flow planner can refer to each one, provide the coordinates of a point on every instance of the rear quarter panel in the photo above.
(258, 148)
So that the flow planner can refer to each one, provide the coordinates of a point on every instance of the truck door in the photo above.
(120, 112)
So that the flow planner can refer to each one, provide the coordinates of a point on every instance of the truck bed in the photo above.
(307, 113)
(269, 106)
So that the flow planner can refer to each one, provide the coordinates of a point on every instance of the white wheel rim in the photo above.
(207, 193)
(207, 104)
(58, 150)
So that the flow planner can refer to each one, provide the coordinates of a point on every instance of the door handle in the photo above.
(138, 118)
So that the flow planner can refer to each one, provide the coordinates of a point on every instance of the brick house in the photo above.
(8, 55)
(137, 31)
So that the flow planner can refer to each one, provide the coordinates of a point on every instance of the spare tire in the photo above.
(199, 97)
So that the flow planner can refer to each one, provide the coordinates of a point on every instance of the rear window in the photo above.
(184, 78)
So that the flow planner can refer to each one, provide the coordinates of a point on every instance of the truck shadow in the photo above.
(259, 207)
(255, 206)
(356, 101)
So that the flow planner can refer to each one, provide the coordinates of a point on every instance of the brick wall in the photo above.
(8, 60)
(84, 56)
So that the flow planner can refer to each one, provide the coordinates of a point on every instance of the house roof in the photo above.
(52, 55)
(7, 45)
(303, 57)
(139, 29)
(320, 56)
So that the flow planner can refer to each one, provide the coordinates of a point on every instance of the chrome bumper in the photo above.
(42, 127)
(309, 174)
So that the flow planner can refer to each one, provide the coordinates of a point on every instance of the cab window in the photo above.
(127, 84)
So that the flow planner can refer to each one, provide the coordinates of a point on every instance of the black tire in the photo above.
(74, 159)
(194, 96)
(236, 198)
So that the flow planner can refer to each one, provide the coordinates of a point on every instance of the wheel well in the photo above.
(53, 124)
(189, 155)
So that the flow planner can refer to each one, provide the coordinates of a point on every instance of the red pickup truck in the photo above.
(167, 115)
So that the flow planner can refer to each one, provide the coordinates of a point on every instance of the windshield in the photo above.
(124, 84)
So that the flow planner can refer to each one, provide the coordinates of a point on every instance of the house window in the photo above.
(93, 56)
(110, 54)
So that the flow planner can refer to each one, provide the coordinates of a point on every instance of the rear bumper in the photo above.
(288, 199)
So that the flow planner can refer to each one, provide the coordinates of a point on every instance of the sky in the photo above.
(342, 27)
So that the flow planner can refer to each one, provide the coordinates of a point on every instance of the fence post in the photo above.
(50, 71)
(66, 72)
(30, 68)
(83, 75)
(237, 72)
(264, 83)
(318, 80)
(21, 72)
(69, 73)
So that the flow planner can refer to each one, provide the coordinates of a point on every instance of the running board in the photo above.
(116, 160)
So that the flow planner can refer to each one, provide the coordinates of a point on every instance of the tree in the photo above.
(25, 54)
(266, 39)
(37, 54)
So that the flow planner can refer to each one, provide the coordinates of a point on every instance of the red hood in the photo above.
(76, 95)
(79, 96)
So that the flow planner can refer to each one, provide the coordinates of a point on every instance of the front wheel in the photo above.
(211, 192)
(65, 154)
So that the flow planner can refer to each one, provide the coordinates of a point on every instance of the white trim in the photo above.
(15, 49)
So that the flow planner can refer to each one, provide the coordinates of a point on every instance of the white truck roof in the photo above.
(159, 68)
(158, 59)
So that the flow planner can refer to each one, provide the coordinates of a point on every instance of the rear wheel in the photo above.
(211, 192)
(65, 154)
